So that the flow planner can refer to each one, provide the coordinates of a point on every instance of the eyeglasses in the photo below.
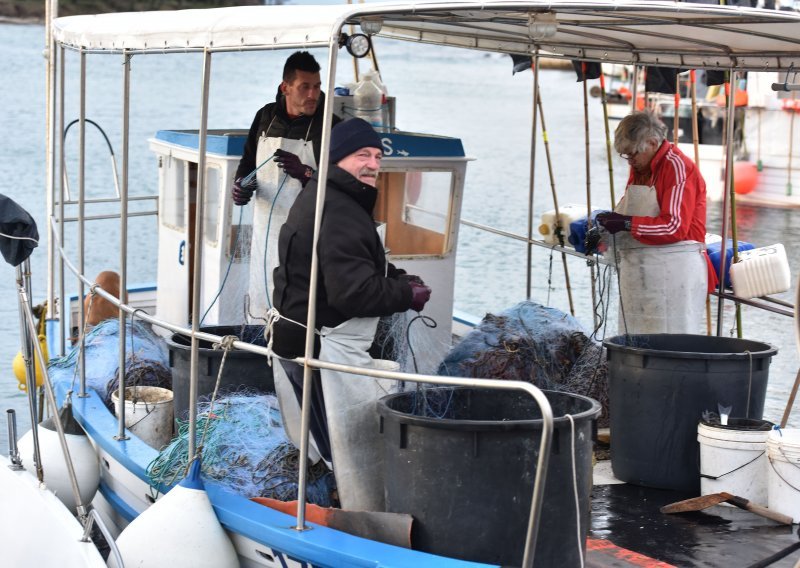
(628, 156)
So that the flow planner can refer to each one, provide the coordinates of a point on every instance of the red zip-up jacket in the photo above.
(681, 194)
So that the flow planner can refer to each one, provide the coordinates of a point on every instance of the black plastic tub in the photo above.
(659, 387)
(467, 479)
(243, 370)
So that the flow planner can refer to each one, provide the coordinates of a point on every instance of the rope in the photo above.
(228, 269)
(266, 239)
(575, 489)
(715, 477)
(82, 338)
(226, 344)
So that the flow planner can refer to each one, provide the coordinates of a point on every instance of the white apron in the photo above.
(662, 287)
(270, 177)
(353, 420)
(291, 412)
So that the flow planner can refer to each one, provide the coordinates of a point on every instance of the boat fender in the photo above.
(56, 474)
(178, 530)
(18, 365)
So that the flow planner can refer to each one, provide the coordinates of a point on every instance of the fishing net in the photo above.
(246, 451)
(408, 339)
(533, 343)
(146, 359)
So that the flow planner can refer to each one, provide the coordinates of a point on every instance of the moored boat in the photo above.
(198, 175)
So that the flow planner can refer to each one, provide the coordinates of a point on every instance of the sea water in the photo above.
(470, 95)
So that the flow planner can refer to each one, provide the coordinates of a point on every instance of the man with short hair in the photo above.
(356, 287)
(289, 129)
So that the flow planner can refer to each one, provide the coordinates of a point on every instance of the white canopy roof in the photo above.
(654, 33)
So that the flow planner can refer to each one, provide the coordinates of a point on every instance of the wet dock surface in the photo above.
(629, 530)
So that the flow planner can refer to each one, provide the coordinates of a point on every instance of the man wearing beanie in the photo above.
(356, 287)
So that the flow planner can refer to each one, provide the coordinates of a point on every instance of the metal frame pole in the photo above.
(197, 279)
(123, 237)
(63, 308)
(81, 224)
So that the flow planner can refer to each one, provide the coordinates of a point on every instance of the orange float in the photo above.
(745, 177)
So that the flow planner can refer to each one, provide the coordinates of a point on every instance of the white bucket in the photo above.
(733, 458)
(783, 478)
(148, 414)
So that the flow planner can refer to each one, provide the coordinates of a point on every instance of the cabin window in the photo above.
(173, 188)
(211, 205)
(416, 209)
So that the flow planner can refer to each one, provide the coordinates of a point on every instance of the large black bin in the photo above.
(468, 479)
(659, 387)
(242, 368)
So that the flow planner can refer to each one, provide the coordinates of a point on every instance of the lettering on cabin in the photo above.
(181, 253)
(289, 562)
(388, 150)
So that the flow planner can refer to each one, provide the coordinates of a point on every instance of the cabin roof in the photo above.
(653, 33)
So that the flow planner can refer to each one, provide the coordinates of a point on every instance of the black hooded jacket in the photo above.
(274, 122)
(355, 280)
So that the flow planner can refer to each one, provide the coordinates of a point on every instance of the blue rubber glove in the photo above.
(614, 222)
(242, 194)
(420, 294)
(292, 165)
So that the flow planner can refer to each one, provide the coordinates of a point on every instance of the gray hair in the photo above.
(636, 129)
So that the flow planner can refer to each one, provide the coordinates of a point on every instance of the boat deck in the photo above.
(629, 530)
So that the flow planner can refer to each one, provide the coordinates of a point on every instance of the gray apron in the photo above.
(662, 287)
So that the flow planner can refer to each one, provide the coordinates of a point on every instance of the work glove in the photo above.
(412, 278)
(293, 167)
(242, 194)
(420, 294)
(614, 222)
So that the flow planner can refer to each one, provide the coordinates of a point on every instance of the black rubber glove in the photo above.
(614, 222)
(293, 167)
(420, 295)
(242, 194)
(412, 278)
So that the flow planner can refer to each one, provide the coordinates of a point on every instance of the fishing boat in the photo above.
(198, 249)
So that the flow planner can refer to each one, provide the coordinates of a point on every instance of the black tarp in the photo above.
(19, 234)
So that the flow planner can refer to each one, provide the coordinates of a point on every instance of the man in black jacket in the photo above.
(288, 131)
(296, 114)
(356, 284)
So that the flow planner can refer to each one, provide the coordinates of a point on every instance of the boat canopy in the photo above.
(648, 33)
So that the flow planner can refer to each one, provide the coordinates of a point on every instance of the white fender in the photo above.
(179, 530)
(54, 466)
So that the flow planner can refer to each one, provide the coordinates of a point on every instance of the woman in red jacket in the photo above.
(658, 232)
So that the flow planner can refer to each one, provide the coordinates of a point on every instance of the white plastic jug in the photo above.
(367, 99)
(761, 271)
(566, 215)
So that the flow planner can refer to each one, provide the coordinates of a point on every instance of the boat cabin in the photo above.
(420, 189)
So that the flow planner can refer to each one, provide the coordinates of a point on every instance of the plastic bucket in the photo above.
(243, 370)
(783, 475)
(659, 387)
(467, 479)
(733, 458)
(148, 414)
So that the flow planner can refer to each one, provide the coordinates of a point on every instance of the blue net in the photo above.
(537, 344)
(146, 359)
(245, 450)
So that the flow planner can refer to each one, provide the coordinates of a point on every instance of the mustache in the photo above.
(368, 172)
